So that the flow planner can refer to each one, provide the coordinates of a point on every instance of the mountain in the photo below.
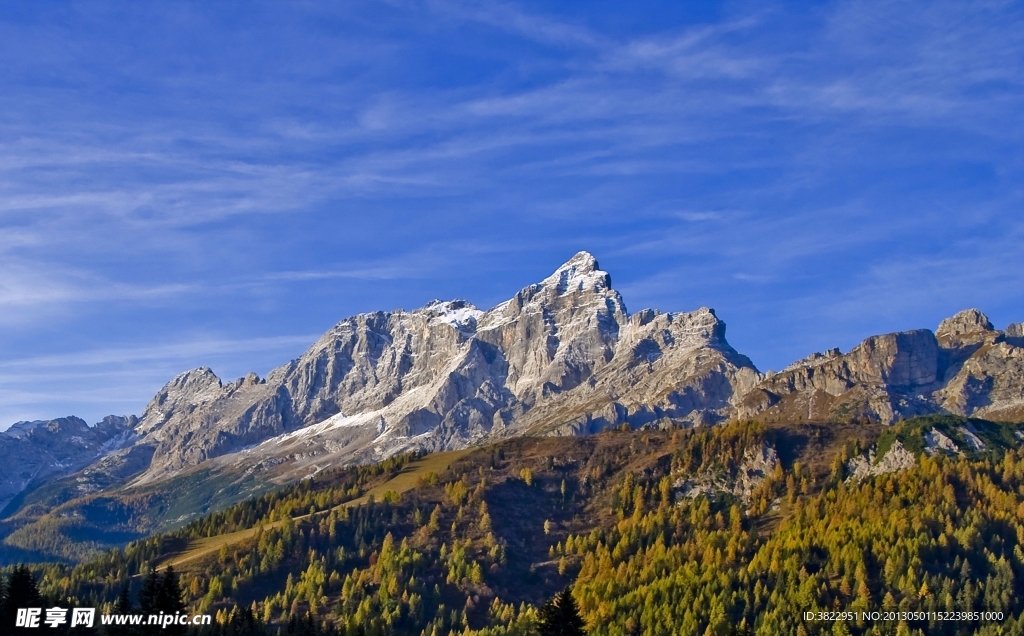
(966, 367)
(562, 357)
(34, 451)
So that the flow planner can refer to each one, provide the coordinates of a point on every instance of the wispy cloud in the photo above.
(92, 383)
(506, 16)
(810, 170)
(100, 358)
(383, 273)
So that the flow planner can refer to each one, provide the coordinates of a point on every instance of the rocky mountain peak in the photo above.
(579, 273)
(561, 357)
(705, 327)
(198, 377)
(62, 426)
(187, 390)
(582, 261)
(578, 293)
(966, 322)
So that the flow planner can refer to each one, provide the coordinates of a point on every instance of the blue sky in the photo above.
(217, 183)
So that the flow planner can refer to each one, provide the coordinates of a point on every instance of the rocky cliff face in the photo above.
(561, 357)
(965, 367)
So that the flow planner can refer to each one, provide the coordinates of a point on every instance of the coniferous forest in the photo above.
(740, 529)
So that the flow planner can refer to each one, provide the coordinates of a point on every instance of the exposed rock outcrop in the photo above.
(966, 367)
(967, 327)
(971, 435)
(935, 441)
(896, 459)
(757, 465)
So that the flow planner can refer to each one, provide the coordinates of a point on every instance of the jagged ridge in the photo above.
(561, 357)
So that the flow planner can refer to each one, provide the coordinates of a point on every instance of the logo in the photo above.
(55, 617)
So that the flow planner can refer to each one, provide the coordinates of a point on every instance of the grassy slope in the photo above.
(199, 550)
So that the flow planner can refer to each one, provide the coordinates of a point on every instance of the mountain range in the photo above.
(562, 357)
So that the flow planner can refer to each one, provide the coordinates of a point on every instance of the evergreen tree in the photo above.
(122, 606)
(244, 623)
(150, 593)
(561, 616)
(22, 592)
(124, 600)
(168, 599)
(169, 593)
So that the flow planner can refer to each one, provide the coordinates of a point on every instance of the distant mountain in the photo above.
(965, 368)
(562, 357)
(33, 451)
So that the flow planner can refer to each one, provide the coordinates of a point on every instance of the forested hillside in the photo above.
(739, 529)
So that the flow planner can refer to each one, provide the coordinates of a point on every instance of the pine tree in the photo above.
(122, 607)
(168, 598)
(149, 593)
(22, 592)
(169, 593)
(561, 616)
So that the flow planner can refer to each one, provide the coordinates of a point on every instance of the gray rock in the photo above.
(896, 459)
(757, 464)
(1014, 330)
(971, 435)
(935, 441)
(966, 368)
(562, 356)
(873, 376)
(965, 324)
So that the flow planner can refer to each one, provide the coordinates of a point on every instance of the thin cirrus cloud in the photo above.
(25, 286)
(815, 173)
(512, 19)
(150, 352)
(118, 381)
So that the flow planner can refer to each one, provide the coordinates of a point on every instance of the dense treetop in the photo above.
(483, 546)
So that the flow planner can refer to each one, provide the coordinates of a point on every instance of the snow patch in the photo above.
(334, 422)
(377, 418)
(122, 439)
(457, 313)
